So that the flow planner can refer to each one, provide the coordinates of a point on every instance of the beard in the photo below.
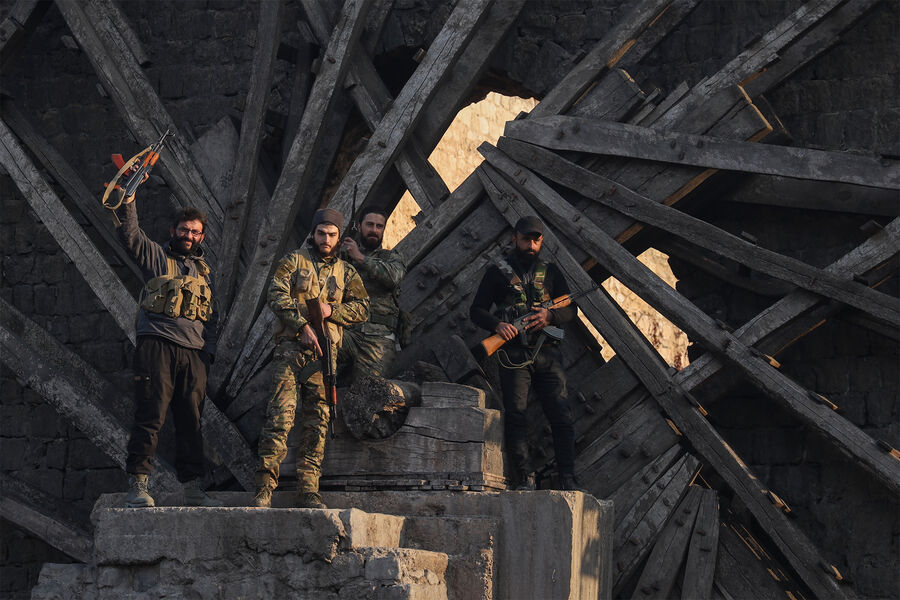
(370, 242)
(182, 245)
(319, 248)
(525, 258)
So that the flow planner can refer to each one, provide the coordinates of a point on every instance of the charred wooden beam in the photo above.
(45, 517)
(817, 39)
(700, 565)
(603, 56)
(243, 175)
(67, 232)
(68, 179)
(624, 140)
(848, 438)
(398, 124)
(640, 356)
(816, 195)
(373, 101)
(283, 206)
(139, 104)
(697, 232)
(665, 560)
(70, 385)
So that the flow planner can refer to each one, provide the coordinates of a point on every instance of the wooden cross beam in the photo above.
(643, 359)
(69, 180)
(243, 176)
(276, 226)
(67, 232)
(631, 141)
(816, 195)
(20, 21)
(700, 565)
(373, 101)
(398, 124)
(139, 104)
(45, 517)
(70, 385)
(848, 438)
(700, 233)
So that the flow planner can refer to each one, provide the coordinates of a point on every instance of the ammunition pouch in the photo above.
(176, 295)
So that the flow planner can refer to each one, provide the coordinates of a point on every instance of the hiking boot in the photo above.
(568, 482)
(310, 500)
(138, 492)
(263, 498)
(525, 483)
(195, 496)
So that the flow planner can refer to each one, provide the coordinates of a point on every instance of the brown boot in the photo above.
(310, 500)
(263, 497)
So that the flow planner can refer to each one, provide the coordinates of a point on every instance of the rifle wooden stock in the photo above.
(494, 342)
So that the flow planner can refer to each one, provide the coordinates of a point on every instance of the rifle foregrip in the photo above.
(492, 344)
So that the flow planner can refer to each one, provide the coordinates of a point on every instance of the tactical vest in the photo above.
(325, 283)
(515, 303)
(177, 295)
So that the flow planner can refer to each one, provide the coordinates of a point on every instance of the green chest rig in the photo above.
(177, 295)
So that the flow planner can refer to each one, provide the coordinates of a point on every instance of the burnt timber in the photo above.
(613, 168)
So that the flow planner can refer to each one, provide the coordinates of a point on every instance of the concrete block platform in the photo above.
(377, 545)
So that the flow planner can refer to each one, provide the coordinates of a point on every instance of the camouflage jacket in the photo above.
(382, 272)
(304, 274)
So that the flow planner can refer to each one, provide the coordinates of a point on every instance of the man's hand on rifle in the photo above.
(537, 321)
(127, 174)
(505, 330)
(350, 246)
(308, 338)
(326, 310)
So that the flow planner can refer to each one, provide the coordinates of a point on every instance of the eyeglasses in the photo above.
(194, 233)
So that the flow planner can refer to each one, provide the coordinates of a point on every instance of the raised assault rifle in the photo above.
(494, 342)
(317, 322)
(138, 167)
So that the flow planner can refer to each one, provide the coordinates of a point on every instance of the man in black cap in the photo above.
(305, 274)
(515, 286)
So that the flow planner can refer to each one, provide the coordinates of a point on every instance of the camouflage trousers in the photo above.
(368, 348)
(295, 367)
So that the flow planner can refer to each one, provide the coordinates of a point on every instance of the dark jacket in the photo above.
(495, 287)
(151, 257)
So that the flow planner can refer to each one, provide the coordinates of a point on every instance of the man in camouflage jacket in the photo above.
(371, 346)
(304, 274)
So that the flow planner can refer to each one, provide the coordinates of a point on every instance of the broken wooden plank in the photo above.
(649, 367)
(105, 9)
(816, 195)
(700, 565)
(604, 55)
(621, 139)
(398, 124)
(665, 560)
(758, 55)
(45, 517)
(275, 228)
(373, 101)
(69, 180)
(46, 366)
(611, 98)
(141, 108)
(700, 233)
(243, 175)
(67, 232)
(880, 247)
(741, 568)
(628, 494)
(701, 328)
(640, 527)
(816, 40)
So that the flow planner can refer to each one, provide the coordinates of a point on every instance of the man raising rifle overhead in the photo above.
(313, 274)
(517, 285)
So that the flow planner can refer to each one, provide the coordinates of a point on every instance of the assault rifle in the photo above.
(491, 344)
(317, 322)
(136, 168)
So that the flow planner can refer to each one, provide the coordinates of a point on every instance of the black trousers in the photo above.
(166, 374)
(548, 379)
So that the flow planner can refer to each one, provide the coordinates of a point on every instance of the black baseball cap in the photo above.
(530, 226)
